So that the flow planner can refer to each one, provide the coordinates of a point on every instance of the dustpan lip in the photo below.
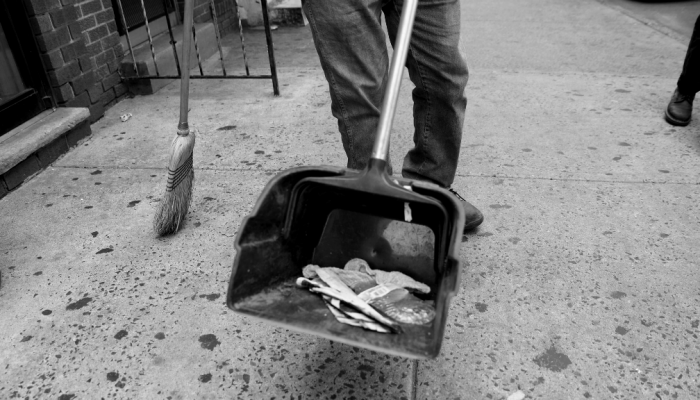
(285, 173)
(428, 355)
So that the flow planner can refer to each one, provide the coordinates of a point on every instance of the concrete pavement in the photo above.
(581, 283)
(674, 18)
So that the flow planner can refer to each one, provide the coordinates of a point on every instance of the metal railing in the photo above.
(202, 75)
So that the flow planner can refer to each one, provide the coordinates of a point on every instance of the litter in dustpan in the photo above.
(326, 216)
(372, 299)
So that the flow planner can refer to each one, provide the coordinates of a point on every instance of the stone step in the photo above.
(36, 144)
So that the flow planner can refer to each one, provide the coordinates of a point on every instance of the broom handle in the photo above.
(183, 127)
(386, 118)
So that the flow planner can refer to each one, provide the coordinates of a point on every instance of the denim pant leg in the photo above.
(351, 46)
(689, 81)
(440, 74)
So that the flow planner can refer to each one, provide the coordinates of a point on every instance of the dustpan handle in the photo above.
(185, 70)
(386, 118)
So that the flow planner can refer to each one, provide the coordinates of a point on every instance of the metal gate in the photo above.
(202, 75)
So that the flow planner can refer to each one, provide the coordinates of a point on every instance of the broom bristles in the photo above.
(178, 191)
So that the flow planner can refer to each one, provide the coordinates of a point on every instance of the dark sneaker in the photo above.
(472, 216)
(679, 109)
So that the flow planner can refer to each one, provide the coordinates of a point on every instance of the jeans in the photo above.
(689, 81)
(351, 46)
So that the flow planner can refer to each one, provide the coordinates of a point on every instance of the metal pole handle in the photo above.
(183, 127)
(386, 118)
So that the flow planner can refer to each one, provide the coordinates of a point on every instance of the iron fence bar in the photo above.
(128, 39)
(270, 49)
(172, 38)
(200, 77)
(196, 50)
(150, 38)
(240, 34)
(212, 7)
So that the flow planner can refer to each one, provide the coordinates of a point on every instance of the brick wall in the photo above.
(201, 11)
(226, 13)
(80, 49)
(227, 16)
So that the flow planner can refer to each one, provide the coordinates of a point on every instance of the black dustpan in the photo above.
(328, 215)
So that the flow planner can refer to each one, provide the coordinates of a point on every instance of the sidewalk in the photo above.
(581, 283)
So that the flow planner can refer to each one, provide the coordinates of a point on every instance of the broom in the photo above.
(178, 191)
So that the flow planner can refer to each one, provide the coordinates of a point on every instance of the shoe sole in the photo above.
(674, 121)
(472, 225)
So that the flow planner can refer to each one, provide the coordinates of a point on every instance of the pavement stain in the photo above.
(133, 203)
(553, 360)
(205, 378)
(210, 297)
(96, 172)
(112, 376)
(618, 295)
(94, 234)
(105, 250)
(497, 206)
(121, 334)
(481, 307)
(79, 304)
(209, 341)
(621, 330)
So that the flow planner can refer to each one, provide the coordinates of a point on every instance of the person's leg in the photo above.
(440, 74)
(680, 108)
(351, 46)
(689, 81)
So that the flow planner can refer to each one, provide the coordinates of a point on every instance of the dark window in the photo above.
(23, 84)
(133, 12)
